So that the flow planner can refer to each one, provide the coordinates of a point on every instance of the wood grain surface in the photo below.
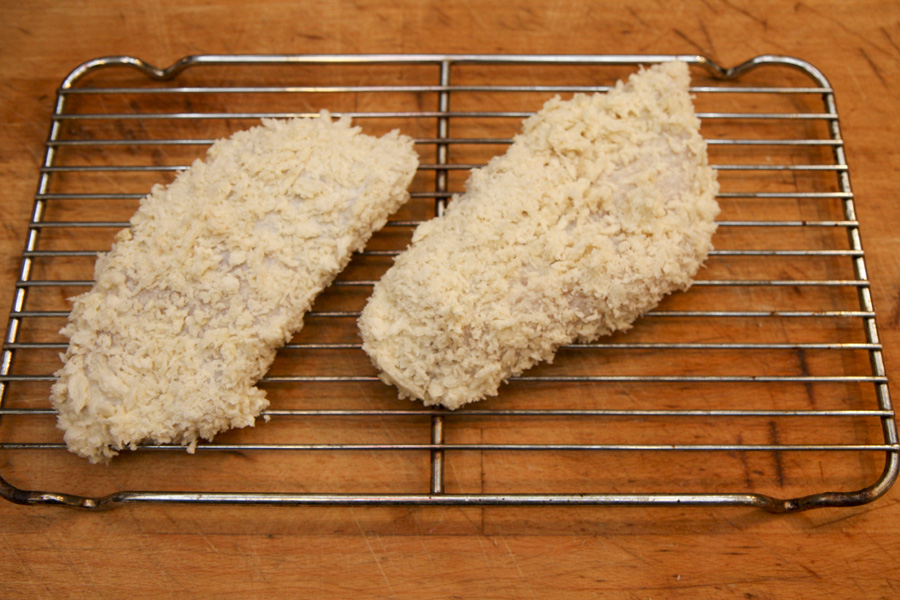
(171, 551)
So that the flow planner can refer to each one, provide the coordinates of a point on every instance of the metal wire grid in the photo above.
(70, 132)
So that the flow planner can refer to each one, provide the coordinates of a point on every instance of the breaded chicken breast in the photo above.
(214, 274)
(601, 206)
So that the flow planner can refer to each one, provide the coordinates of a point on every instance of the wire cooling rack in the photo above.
(761, 386)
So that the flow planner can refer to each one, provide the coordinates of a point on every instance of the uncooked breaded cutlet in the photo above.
(215, 273)
(600, 207)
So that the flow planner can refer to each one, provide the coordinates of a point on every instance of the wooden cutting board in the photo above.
(169, 551)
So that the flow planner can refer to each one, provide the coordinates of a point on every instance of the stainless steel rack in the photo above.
(762, 386)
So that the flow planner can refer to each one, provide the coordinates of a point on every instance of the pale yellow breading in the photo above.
(215, 273)
(601, 206)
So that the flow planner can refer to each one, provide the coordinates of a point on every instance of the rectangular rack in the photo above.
(761, 386)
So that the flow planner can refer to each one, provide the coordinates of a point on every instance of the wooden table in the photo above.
(169, 551)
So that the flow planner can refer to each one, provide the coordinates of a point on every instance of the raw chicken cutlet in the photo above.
(215, 273)
(601, 206)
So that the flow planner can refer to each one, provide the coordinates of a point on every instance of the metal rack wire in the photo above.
(762, 386)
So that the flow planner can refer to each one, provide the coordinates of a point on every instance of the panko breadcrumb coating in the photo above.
(601, 206)
(215, 273)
